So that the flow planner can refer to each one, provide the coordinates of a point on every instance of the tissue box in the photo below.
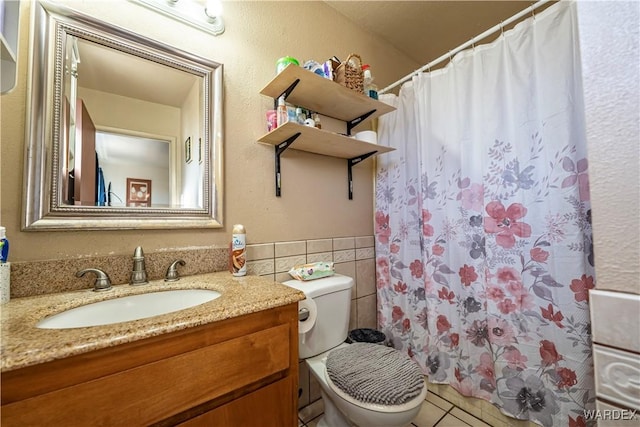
(316, 270)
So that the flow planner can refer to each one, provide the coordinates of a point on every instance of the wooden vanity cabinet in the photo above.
(236, 372)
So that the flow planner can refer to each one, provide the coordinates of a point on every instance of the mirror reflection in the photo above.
(104, 89)
(123, 156)
(124, 132)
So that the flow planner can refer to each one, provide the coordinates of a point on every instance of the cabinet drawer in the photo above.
(269, 406)
(155, 391)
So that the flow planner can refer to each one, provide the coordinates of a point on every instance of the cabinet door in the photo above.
(270, 406)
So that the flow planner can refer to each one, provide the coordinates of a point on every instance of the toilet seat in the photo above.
(375, 377)
(407, 406)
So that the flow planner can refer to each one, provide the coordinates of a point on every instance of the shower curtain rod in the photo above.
(465, 45)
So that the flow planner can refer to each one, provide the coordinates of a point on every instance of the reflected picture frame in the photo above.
(138, 192)
(187, 151)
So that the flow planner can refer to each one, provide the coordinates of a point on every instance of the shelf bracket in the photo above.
(355, 122)
(280, 148)
(286, 92)
(350, 164)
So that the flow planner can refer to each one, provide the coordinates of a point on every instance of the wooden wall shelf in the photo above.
(303, 88)
(322, 95)
(321, 142)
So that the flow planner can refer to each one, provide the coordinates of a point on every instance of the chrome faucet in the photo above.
(139, 273)
(172, 272)
(102, 283)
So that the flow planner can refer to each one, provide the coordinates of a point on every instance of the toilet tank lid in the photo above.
(326, 285)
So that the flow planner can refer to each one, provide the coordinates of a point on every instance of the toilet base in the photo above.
(332, 416)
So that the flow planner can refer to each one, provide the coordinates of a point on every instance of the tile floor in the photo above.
(435, 411)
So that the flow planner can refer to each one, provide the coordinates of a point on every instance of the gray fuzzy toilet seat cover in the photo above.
(373, 373)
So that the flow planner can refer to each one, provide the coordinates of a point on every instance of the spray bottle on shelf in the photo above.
(282, 116)
(370, 89)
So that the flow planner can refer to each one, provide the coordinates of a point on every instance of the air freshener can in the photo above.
(238, 250)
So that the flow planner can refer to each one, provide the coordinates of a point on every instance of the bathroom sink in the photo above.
(124, 309)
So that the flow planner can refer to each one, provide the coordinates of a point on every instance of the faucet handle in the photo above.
(102, 283)
(172, 271)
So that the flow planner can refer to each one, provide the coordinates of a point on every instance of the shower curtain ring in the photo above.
(502, 28)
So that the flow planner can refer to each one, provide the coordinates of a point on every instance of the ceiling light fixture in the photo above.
(207, 18)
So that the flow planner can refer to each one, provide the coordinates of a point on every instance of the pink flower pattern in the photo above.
(505, 224)
(472, 197)
(427, 229)
(468, 274)
(382, 227)
(480, 295)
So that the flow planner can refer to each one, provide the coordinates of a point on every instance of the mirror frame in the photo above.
(42, 203)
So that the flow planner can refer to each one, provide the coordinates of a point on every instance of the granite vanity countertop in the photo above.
(22, 344)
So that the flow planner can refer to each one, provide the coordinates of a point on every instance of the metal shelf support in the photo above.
(350, 164)
(280, 148)
(286, 93)
(355, 122)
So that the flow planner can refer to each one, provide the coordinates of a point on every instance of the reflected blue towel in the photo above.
(102, 194)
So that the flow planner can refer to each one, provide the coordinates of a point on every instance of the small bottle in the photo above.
(238, 250)
(309, 120)
(4, 246)
(316, 121)
(282, 115)
(272, 121)
(292, 115)
(300, 116)
(370, 89)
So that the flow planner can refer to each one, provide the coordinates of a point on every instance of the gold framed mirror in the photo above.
(107, 107)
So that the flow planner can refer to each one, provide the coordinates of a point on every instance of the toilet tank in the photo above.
(332, 298)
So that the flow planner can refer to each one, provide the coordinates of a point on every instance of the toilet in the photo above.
(369, 385)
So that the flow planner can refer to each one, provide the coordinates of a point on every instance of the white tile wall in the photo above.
(319, 245)
(261, 267)
(615, 319)
(345, 255)
(261, 251)
(284, 249)
(615, 322)
(342, 243)
(284, 264)
(617, 376)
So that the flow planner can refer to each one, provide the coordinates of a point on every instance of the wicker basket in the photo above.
(349, 76)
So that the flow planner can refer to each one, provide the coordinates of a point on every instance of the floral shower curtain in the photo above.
(483, 237)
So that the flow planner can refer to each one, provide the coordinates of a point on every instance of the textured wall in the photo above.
(257, 34)
(610, 40)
